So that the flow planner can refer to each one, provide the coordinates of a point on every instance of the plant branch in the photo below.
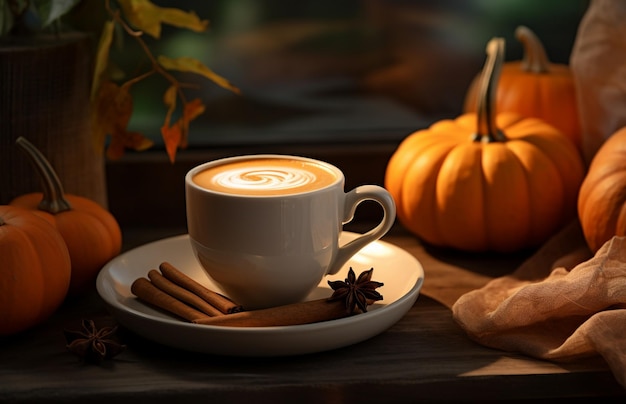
(156, 67)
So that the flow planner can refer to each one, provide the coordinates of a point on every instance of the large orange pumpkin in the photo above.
(35, 269)
(535, 87)
(602, 197)
(92, 234)
(485, 182)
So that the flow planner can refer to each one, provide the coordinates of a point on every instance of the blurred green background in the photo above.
(340, 70)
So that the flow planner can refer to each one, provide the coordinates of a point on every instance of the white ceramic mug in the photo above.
(266, 227)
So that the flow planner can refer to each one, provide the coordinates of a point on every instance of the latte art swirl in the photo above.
(267, 179)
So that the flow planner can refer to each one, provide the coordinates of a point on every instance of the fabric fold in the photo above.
(562, 316)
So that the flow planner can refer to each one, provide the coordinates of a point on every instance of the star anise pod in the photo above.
(356, 292)
(91, 344)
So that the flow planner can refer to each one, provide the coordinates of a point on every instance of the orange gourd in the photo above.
(35, 270)
(535, 87)
(484, 182)
(602, 197)
(92, 234)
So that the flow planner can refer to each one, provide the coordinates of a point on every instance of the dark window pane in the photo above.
(326, 71)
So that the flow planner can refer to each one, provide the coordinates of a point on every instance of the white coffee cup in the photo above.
(266, 228)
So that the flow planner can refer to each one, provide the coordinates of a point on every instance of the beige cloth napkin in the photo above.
(598, 64)
(549, 310)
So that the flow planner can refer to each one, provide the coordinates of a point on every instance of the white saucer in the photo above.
(400, 272)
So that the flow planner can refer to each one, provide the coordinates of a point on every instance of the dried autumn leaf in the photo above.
(175, 136)
(187, 64)
(192, 110)
(122, 140)
(105, 109)
(112, 105)
(102, 55)
(169, 99)
(148, 17)
(171, 137)
(112, 110)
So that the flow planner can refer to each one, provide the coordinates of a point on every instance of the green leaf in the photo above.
(51, 10)
(187, 64)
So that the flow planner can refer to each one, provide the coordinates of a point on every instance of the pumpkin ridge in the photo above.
(55, 284)
(17, 247)
(506, 199)
(459, 200)
(603, 217)
(419, 190)
(36, 270)
(599, 206)
(548, 200)
(620, 223)
(410, 150)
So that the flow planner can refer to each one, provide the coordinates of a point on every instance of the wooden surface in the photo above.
(424, 357)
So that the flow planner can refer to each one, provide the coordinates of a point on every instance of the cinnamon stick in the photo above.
(146, 291)
(222, 303)
(182, 294)
(312, 311)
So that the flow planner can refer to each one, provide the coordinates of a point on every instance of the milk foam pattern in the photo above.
(248, 178)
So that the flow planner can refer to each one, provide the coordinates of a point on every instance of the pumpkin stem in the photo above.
(535, 59)
(486, 111)
(53, 197)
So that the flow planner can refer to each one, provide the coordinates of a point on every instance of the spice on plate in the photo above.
(149, 293)
(349, 297)
(182, 294)
(356, 292)
(312, 311)
(221, 302)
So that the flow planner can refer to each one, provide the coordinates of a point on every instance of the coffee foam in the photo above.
(269, 176)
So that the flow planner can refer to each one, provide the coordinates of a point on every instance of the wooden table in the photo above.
(424, 357)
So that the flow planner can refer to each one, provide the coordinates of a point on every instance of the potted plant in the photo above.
(63, 91)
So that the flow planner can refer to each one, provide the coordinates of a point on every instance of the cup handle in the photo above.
(351, 201)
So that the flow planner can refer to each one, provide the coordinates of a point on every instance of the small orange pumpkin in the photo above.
(485, 182)
(35, 270)
(535, 87)
(92, 234)
(602, 197)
